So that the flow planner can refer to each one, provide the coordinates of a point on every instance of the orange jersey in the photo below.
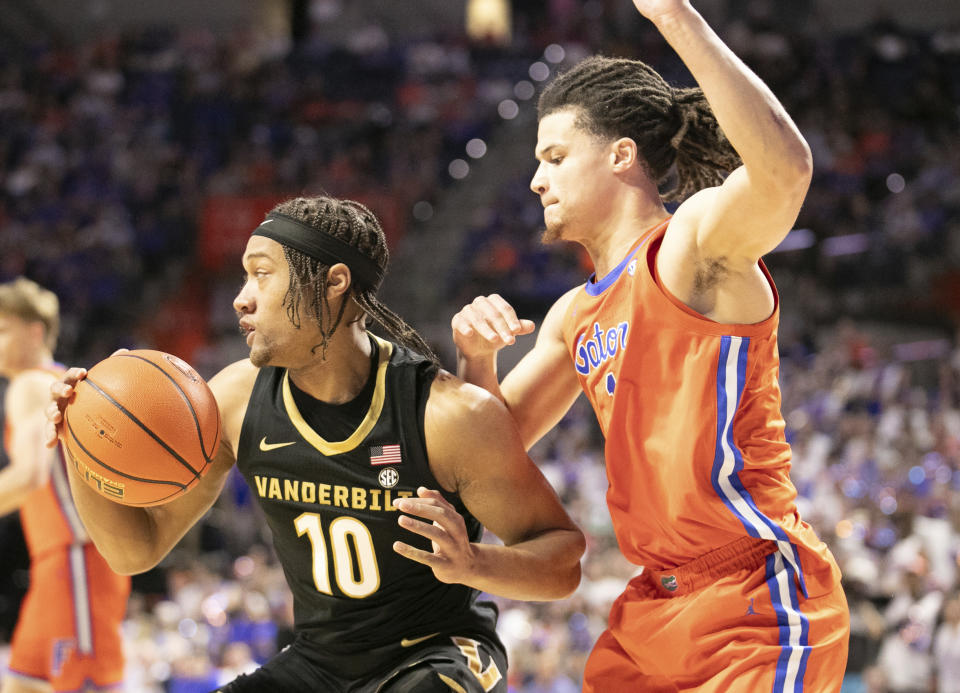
(68, 632)
(48, 516)
(695, 449)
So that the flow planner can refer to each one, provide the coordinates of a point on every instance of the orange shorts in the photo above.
(68, 631)
(733, 621)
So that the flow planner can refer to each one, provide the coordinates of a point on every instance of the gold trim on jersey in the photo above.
(327, 447)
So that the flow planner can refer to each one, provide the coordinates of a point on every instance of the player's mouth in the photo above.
(247, 330)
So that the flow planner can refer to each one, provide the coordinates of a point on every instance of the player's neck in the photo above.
(342, 374)
(611, 242)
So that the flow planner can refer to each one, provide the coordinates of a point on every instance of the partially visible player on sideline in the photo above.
(674, 342)
(346, 439)
(67, 637)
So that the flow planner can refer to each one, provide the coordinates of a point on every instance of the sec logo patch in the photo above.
(388, 477)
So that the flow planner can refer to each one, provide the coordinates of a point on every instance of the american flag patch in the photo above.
(385, 454)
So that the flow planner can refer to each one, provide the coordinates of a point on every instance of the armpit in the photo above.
(709, 273)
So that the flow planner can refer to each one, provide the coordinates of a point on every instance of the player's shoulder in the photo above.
(553, 321)
(563, 303)
(30, 386)
(682, 233)
(33, 377)
(234, 383)
(461, 421)
(457, 402)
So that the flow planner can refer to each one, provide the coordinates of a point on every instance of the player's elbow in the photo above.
(569, 583)
(567, 569)
(794, 172)
(784, 175)
(564, 582)
(123, 565)
(125, 562)
(800, 168)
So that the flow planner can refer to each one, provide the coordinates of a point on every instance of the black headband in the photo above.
(320, 246)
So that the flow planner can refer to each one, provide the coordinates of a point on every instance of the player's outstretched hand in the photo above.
(454, 557)
(486, 325)
(61, 392)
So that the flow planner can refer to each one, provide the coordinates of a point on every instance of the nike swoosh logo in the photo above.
(410, 642)
(266, 447)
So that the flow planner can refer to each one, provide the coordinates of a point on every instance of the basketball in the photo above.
(142, 427)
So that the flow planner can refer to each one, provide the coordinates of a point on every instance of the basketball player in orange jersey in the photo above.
(341, 435)
(673, 341)
(67, 637)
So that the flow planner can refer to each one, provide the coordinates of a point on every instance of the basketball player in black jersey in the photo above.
(375, 469)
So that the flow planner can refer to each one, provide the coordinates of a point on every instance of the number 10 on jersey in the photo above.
(341, 531)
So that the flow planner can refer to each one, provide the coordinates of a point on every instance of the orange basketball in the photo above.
(142, 428)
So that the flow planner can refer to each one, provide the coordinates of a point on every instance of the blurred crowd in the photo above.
(112, 149)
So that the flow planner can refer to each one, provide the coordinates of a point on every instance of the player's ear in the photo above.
(338, 281)
(623, 154)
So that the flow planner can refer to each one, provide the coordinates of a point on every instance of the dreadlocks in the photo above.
(352, 223)
(617, 97)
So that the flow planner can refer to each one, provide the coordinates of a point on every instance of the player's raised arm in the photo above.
(135, 539)
(475, 450)
(755, 207)
(540, 389)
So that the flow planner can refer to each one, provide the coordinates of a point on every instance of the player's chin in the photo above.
(552, 233)
(260, 356)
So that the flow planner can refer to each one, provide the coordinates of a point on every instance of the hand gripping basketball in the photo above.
(141, 428)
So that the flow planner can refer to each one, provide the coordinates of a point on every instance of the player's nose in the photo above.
(243, 303)
(539, 181)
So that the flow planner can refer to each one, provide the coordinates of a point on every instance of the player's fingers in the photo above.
(75, 374)
(526, 326)
(509, 315)
(474, 321)
(120, 351)
(418, 555)
(497, 318)
(424, 492)
(60, 390)
(53, 413)
(516, 325)
(429, 508)
(461, 325)
(50, 436)
(448, 526)
(433, 532)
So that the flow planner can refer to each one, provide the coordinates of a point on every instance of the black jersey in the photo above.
(330, 507)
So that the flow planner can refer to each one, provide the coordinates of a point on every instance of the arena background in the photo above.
(140, 142)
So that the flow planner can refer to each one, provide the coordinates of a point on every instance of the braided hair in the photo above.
(617, 98)
(352, 223)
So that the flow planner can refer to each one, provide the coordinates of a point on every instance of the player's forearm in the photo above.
(544, 568)
(480, 371)
(124, 535)
(751, 117)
